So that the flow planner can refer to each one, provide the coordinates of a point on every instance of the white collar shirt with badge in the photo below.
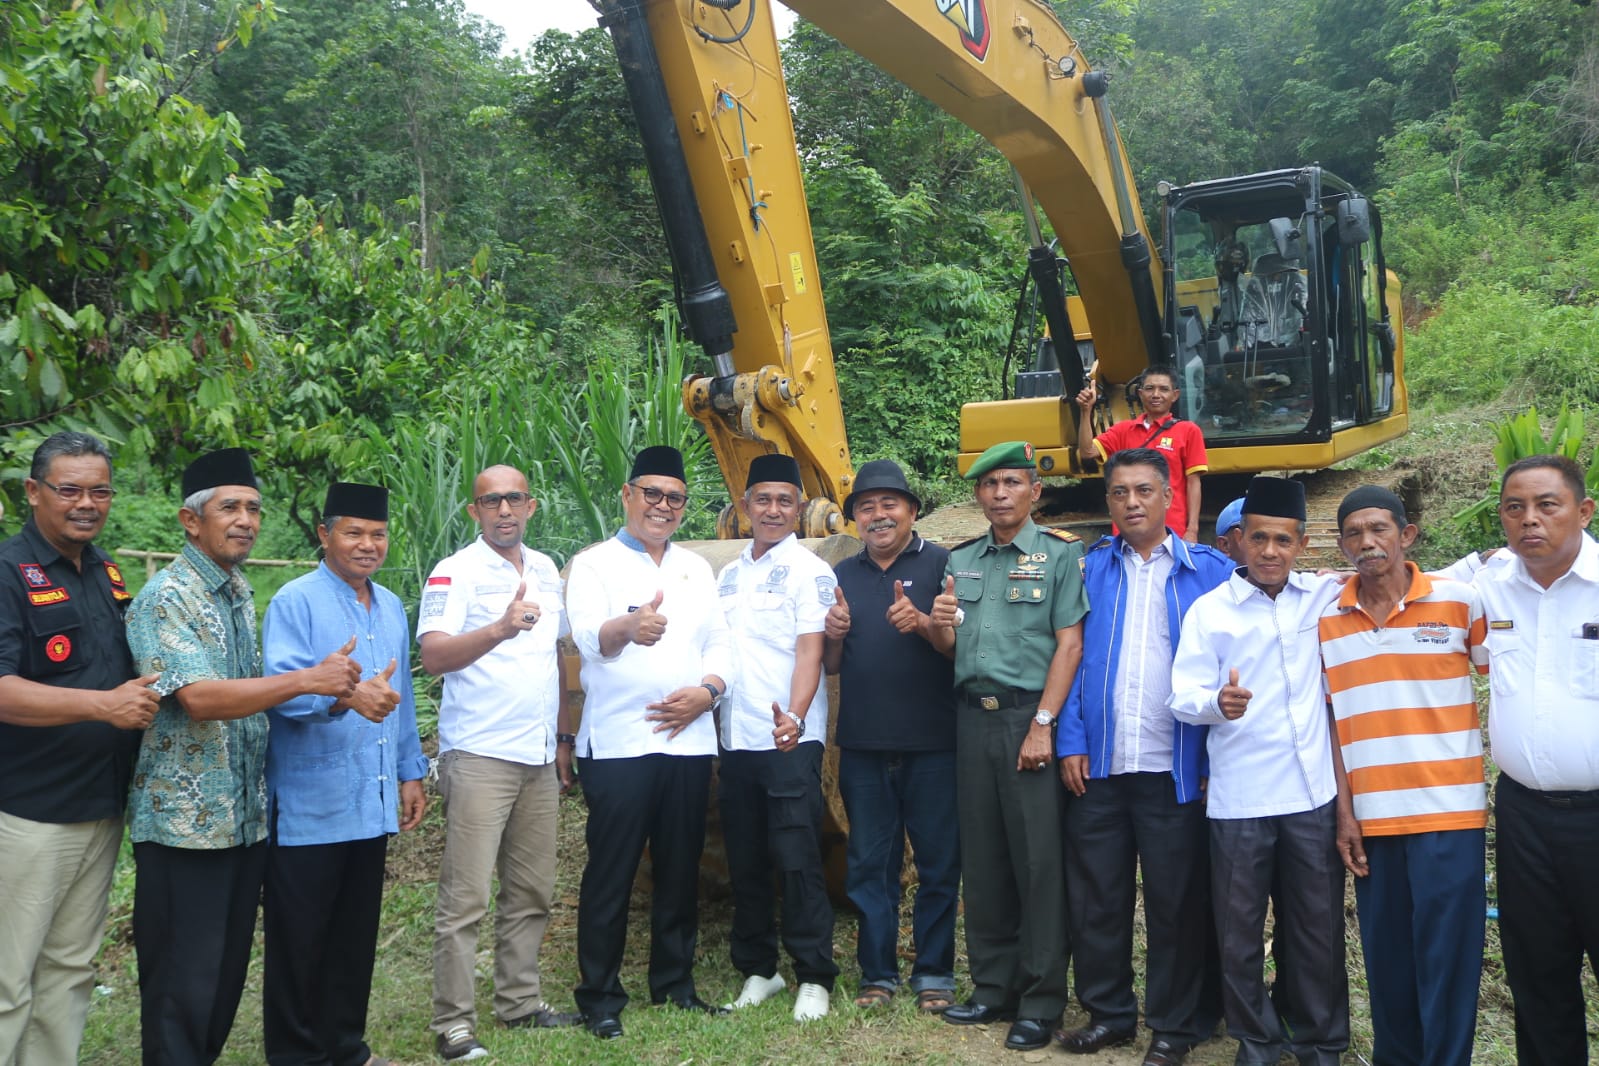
(504, 704)
(770, 603)
(1543, 673)
(614, 578)
(1277, 758)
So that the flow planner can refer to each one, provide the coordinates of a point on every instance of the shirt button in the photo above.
(383, 777)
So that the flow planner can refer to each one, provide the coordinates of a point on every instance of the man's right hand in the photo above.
(648, 621)
(945, 605)
(836, 625)
(520, 615)
(1088, 397)
(1074, 774)
(132, 704)
(337, 675)
(1351, 845)
(374, 698)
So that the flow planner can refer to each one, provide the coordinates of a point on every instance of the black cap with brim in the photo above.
(1275, 497)
(773, 468)
(228, 466)
(348, 499)
(658, 460)
(879, 475)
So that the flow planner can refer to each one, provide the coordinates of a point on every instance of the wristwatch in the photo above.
(799, 723)
(716, 697)
(566, 738)
(1044, 718)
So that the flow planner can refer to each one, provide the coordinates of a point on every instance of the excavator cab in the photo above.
(1291, 363)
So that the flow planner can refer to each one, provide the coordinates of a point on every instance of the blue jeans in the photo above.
(887, 795)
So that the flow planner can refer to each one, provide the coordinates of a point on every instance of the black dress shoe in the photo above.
(1091, 1038)
(1028, 1034)
(695, 1003)
(973, 1013)
(604, 1026)
(1163, 1052)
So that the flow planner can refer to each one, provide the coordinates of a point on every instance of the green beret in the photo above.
(1011, 455)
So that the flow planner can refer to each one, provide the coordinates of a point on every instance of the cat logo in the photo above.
(971, 17)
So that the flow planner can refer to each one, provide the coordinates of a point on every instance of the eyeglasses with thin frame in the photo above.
(74, 493)
(652, 496)
(490, 501)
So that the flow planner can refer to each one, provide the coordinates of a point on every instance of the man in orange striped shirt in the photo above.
(1399, 648)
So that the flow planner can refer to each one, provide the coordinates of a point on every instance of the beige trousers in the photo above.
(496, 813)
(55, 881)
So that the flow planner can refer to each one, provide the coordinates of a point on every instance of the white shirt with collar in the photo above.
(770, 603)
(1543, 674)
(504, 704)
(1277, 758)
(1144, 735)
(618, 576)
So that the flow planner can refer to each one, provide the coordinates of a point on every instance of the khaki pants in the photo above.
(495, 813)
(54, 881)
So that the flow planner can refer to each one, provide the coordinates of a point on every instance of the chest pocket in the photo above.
(968, 589)
(1584, 676)
(770, 616)
(55, 639)
(1026, 603)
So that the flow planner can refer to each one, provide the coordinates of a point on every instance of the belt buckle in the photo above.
(988, 703)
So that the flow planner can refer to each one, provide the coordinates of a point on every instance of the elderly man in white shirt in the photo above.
(1543, 722)
(776, 596)
(645, 616)
(1249, 665)
(489, 620)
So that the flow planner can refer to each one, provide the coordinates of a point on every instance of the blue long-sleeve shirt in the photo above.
(336, 777)
(1087, 724)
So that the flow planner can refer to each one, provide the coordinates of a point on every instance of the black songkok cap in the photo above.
(230, 466)
(658, 460)
(1372, 496)
(1275, 497)
(773, 468)
(347, 499)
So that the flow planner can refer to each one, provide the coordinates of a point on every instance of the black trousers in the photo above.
(1119, 823)
(1301, 850)
(322, 906)
(772, 822)
(1547, 854)
(193, 927)
(658, 800)
(1013, 874)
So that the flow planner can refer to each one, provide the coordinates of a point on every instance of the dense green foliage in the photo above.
(341, 232)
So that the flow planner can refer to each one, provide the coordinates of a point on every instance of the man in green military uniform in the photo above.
(1011, 614)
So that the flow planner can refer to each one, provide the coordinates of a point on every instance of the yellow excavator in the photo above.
(1267, 292)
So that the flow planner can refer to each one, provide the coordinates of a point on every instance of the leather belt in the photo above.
(1552, 799)
(1002, 699)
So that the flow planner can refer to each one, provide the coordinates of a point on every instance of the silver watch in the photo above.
(1044, 718)
(799, 723)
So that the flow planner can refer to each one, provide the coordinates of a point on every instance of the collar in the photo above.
(214, 576)
(44, 553)
(1420, 585)
(780, 548)
(628, 540)
(343, 587)
(1144, 421)
(1169, 546)
(1240, 587)
(1585, 566)
(1025, 540)
(913, 548)
(485, 549)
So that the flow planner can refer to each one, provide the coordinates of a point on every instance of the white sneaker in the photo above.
(757, 990)
(811, 1003)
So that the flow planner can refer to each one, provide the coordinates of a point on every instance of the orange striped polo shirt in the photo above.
(1406, 716)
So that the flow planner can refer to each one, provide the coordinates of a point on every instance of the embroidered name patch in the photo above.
(39, 599)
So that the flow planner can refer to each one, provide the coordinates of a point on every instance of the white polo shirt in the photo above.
(770, 603)
(618, 576)
(1543, 674)
(504, 704)
(1277, 758)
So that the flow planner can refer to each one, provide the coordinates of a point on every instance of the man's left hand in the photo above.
(413, 804)
(784, 733)
(679, 709)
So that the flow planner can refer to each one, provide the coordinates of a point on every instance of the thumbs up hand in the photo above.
(784, 733)
(648, 621)
(836, 625)
(945, 606)
(520, 614)
(902, 613)
(1233, 699)
(375, 697)
(336, 675)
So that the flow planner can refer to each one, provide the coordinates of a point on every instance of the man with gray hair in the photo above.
(198, 807)
(70, 714)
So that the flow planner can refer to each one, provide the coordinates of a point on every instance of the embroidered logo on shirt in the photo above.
(39, 599)
(34, 575)
(1165, 442)
(57, 648)
(119, 588)
(825, 587)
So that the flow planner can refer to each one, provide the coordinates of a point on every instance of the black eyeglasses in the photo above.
(674, 500)
(490, 501)
(74, 493)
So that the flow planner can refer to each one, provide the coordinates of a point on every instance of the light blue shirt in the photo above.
(336, 777)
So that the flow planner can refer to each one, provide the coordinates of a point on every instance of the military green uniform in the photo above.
(1015, 597)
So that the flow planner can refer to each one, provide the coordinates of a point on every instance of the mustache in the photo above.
(881, 524)
(1375, 555)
